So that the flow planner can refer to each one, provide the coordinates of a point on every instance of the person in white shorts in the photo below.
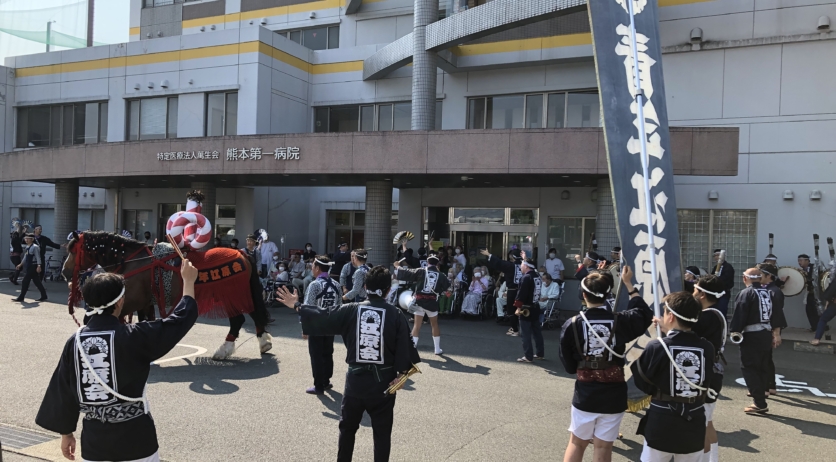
(429, 283)
(592, 346)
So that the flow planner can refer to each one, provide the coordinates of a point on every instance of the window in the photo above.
(61, 125)
(349, 226)
(483, 216)
(524, 216)
(222, 114)
(152, 118)
(570, 237)
(136, 221)
(318, 38)
(573, 109)
(383, 117)
(225, 223)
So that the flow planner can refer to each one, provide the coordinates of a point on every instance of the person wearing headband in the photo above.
(323, 293)
(353, 277)
(752, 318)
(725, 272)
(592, 346)
(779, 321)
(379, 351)
(429, 283)
(103, 373)
(810, 305)
(712, 327)
(511, 274)
(673, 370)
(829, 300)
(615, 255)
(692, 273)
(588, 265)
(528, 297)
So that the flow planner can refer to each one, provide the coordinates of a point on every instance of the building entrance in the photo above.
(474, 241)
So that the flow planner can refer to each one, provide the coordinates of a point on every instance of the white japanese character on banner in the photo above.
(244, 154)
(215, 154)
(232, 154)
(200, 154)
(160, 156)
(293, 153)
(638, 5)
(255, 153)
(281, 153)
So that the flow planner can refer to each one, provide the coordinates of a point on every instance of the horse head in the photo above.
(76, 256)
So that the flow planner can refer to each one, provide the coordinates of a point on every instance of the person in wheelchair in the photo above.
(478, 286)
(550, 291)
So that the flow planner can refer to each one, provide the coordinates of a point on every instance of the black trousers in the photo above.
(32, 275)
(510, 309)
(770, 372)
(812, 311)
(755, 363)
(381, 410)
(15, 261)
(321, 350)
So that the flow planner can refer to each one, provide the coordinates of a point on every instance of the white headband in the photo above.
(691, 273)
(679, 315)
(755, 276)
(771, 258)
(715, 294)
(100, 309)
(587, 256)
(767, 272)
(322, 263)
(583, 286)
(377, 292)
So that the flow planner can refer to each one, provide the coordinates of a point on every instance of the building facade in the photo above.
(320, 122)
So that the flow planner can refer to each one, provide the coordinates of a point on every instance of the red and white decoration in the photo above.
(190, 228)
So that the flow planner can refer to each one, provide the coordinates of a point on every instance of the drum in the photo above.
(796, 282)
(825, 280)
(406, 299)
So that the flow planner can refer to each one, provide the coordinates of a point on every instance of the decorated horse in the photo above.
(227, 285)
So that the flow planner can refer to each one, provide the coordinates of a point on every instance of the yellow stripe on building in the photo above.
(133, 31)
(508, 46)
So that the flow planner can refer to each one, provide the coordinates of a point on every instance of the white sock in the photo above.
(415, 341)
(714, 454)
(437, 343)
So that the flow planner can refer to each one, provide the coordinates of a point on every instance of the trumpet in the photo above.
(402, 381)
(736, 338)
(523, 312)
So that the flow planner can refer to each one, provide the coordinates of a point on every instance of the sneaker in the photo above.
(514, 334)
(754, 409)
(314, 391)
(439, 352)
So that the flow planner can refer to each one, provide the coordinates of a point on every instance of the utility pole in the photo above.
(48, 34)
(91, 6)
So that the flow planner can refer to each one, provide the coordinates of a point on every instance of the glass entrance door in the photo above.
(474, 241)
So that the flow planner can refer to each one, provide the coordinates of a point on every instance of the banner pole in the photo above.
(651, 247)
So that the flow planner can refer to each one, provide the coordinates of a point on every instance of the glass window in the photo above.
(296, 36)
(526, 242)
(568, 236)
(172, 118)
(321, 120)
(152, 120)
(231, 114)
(226, 211)
(315, 39)
(524, 216)
(366, 118)
(556, 110)
(67, 125)
(583, 110)
(438, 108)
(403, 116)
(80, 123)
(534, 111)
(102, 125)
(283, 34)
(359, 218)
(133, 120)
(33, 126)
(55, 126)
(505, 111)
(476, 113)
(485, 216)
(358, 239)
(340, 219)
(384, 118)
(334, 37)
(343, 119)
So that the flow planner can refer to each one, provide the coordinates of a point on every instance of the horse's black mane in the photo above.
(109, 248)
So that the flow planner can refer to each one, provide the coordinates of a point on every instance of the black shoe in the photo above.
(17, 299)
(329, 386)
(42, 299)
(14, 281)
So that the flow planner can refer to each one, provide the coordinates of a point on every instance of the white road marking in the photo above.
(198, 351)
(793, 387)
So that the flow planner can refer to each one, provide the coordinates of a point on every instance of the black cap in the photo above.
(616, 249)
(344, 244)
(694, 270)
(804, 255)
(593, 256)
(432, 259)
(718, 250)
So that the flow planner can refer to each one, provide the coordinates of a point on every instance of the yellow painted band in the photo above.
(331, 68)
(524, 44)
(133, 31)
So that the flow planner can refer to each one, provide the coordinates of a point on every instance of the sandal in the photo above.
(524, 360)
(815, 342)
(752, 409)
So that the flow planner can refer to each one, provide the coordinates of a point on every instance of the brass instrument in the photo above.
(736, 338)
(524, 312)
(720, 262)
(402, 381)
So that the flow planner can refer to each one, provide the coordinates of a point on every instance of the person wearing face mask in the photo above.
(279, 271)
(554, 266)
(309, 254)
(512, 275)
(478, 286)
(296, 268)
(549, 291)
(460, 258)
(268, 249)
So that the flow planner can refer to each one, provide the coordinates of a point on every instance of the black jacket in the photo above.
(44, 242)
(753, 305)
(726, 275)
(511, 272)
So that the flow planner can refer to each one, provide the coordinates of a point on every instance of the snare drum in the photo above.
(825, 280)
(615, 271)
(796, 282)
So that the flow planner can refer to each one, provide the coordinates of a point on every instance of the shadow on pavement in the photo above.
(632, 452)
(805, 404)
(446, 363)
(333, 399)
(209, 377)
(817, 429)
(740, 440)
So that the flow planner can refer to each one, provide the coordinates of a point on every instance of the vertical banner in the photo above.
(614, 64)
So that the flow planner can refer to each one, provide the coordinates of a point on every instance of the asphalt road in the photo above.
(473, 404)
